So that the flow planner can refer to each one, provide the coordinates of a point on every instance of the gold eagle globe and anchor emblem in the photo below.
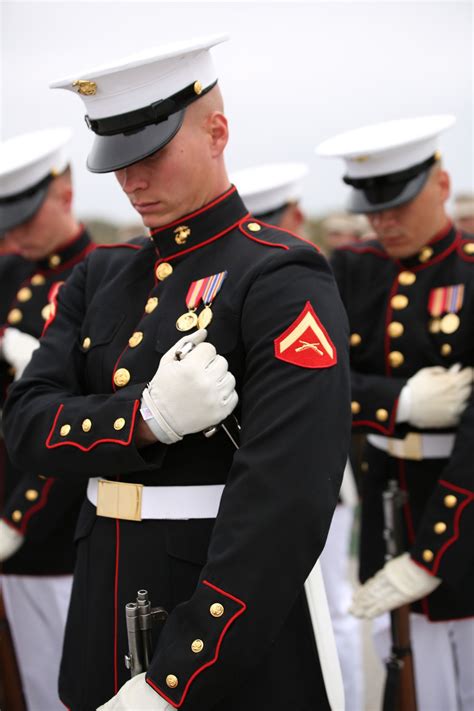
(85, 87)
(181, 234)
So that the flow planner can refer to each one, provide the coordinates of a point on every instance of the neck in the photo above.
(70, 230)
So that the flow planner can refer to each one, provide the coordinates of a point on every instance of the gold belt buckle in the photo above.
(116, 499)
(408, 448)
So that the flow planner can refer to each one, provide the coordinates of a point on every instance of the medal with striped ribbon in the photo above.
(204, 290)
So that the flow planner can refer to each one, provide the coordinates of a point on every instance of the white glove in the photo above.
(10, 541)
(191, 394)
(399, 582)
(436, 397)
(17, 349)
(136, 695)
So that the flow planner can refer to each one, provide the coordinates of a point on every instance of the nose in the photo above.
(131, 178)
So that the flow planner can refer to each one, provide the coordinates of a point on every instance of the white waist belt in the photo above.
(415, 446)
(135, 502)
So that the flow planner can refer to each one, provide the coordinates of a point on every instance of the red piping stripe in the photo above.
(261, 241)
(218, 646)
(288, 232)
(97, 442)
(456, 488)
(117, 561)
(201, 244)
(184, 218)
(115, 246)
(364, 250)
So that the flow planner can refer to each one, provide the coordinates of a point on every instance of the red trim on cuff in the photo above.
(377, 426)
(218, 646)
(454, 537)
(97, 442)
(42, 501)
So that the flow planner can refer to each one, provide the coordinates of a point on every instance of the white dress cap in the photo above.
(28, 163)
(25, 160)
(135, 106)
(388, 147)
(268, 187)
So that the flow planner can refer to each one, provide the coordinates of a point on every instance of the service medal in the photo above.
(187, 321)
(205, 317)
(450, 323)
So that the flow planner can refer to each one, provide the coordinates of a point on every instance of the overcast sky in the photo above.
(293, 74)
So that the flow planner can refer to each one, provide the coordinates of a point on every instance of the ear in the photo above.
(218, 131)
(444, 184)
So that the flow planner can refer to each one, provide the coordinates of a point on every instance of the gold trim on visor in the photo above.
(116, 499)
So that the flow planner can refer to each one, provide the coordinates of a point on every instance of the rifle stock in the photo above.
(400, 691)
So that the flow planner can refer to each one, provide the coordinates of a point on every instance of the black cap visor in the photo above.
(117, 151)
(16, 210)
(383, 197)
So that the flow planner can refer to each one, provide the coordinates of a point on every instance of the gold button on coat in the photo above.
(216, 609)
(46, 312)
(24, 294)
(381, 415)
(86, 343)
(14, 316)
(406, 278)
(17, 516)
(440, 527)
(425, 254)
(135, 339)
(54, 260)
(121, 377)
(395, 329)
(450, 501)
(355, 339)
(172, 681)
(86, 425)
(151, 304)
(428, 555)
(446, 349)
(119, 423)
(163, 271)
(254, 227)
(355, 407)
(38, 279)
(399, 301)
(197, 646)
(31, 494)
(64, 431)
(469, 248)
(396, 359)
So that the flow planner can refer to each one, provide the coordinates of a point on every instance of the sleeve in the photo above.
(282, 488)
(50, 425)
(374, 399)
(39, 505)
(443, 544)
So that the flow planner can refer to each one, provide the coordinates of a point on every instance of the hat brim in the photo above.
(16, 212)
(359, 203)
(111, 153)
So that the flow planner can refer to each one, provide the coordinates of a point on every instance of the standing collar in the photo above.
(71, 250)
(434, 251)
(194, 230)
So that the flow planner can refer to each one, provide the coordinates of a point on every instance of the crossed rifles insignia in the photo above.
(306, 342)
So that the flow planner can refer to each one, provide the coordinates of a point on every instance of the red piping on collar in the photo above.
(364, 250)
(439, 257)
(184, 218)
(201, 244)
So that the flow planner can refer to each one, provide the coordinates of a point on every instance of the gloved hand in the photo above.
(399, 582)
(17, 349)
(191, 394)
(437, 397)
(10, 541)
(136, 695)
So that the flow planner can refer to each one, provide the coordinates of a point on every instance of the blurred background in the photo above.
(293, 74)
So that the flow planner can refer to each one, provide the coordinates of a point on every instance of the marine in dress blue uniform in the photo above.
(228, 560)
(38, 512)
(409, 300)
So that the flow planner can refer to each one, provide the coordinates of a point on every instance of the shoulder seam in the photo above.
(273, 227)
(119, 244)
